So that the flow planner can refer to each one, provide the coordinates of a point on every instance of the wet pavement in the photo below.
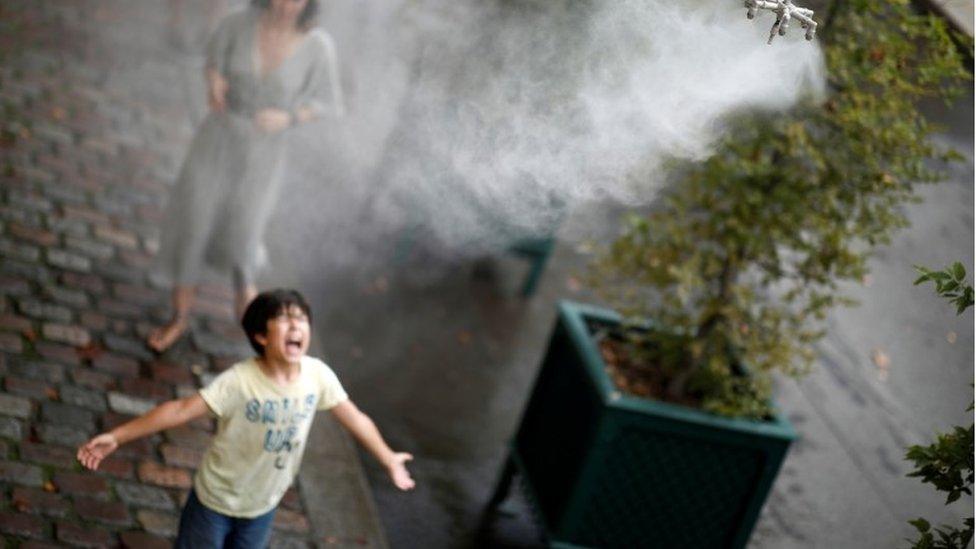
(442, 353)
(438, 348)
(99, 99)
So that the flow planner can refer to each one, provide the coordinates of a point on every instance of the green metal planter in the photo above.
(537, 251)
(605, 469)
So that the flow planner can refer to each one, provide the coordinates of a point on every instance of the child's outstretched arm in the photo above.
(365, 431)
(165, 416)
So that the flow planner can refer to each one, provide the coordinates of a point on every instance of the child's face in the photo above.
(288, 336)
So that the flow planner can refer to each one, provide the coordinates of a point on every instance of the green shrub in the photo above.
(744, 254)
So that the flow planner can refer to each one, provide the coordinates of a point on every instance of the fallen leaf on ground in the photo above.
(882, 362)
(21, 505)
(880, 359)
(334, 540)
(951, 337)
(573, 284)
(89, 351)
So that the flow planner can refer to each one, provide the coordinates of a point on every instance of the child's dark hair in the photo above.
(266, 306)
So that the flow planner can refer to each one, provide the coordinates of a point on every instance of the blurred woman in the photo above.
(267, 71)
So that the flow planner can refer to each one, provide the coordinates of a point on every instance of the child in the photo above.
(264, 407)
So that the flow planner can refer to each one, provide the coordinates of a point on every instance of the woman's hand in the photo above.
(95, 450)
(272, 120)
(216, 91)
(397, 469)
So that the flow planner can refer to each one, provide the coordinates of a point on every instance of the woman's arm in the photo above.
(324, 78)
(332, 60)
(216, 90)
(165, 416)
(218, 49)
(365, 431)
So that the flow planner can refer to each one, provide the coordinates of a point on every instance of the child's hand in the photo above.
(95, 450)
(397, 470)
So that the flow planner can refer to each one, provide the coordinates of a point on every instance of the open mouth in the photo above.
(293, 344)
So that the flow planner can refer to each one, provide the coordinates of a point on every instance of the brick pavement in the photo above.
(94, 123)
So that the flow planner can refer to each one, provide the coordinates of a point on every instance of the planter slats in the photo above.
(610, 470)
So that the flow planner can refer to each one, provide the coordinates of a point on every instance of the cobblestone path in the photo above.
(95, 119)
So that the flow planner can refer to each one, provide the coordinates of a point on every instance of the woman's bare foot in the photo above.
(245, 295)
(162, 338)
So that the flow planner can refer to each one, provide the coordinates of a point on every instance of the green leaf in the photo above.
(958, 271)
(797, 202)
(920, 524)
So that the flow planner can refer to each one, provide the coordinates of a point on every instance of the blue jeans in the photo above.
(204, 528)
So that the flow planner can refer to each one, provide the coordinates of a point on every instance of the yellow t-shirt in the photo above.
(261, 432)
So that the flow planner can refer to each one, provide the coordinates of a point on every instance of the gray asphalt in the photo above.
(442, 352)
